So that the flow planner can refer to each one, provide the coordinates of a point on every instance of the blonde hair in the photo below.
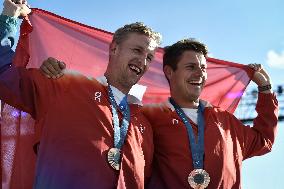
(137, 27)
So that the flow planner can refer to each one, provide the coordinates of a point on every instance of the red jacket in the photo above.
(227, 143)
(75, 133)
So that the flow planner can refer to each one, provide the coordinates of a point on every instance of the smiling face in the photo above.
(129, 60)
(188, 80)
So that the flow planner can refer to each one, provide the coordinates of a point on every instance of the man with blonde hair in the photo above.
(89, 128)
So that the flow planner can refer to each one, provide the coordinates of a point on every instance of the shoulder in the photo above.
(69, 80)
(152, 108)
(154, 111)
(216, 113)
(77, 78)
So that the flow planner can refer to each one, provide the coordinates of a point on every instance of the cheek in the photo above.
(147, 66)
(185, 76)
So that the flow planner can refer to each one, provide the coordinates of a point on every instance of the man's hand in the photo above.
(260, 77)
(52, 68)
(16, 8)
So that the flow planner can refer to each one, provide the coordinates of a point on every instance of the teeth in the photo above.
(195, 82)
(136, 69)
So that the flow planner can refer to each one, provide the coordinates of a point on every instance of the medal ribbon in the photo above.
(197, 148)
(119, 132)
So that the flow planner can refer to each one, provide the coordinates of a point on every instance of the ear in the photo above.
(168, 72)
(112, 48)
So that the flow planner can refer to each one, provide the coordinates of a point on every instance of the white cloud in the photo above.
(275, 60)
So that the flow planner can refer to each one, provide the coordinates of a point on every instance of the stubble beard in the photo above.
(126, 82)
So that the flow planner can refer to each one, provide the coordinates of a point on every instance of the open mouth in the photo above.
(195, 83)
(135, 69)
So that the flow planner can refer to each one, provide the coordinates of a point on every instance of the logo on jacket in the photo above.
(97, 96)
(141, 128)
(175, 121)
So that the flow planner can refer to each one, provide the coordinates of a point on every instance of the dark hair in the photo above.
(137, 27)
(174, 52)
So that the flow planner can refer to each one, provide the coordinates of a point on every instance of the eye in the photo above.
(190, 67)
(136, 50)
(149, 58)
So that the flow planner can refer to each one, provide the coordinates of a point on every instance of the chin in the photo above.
(130, 83)
(193, 97)
(134, 80)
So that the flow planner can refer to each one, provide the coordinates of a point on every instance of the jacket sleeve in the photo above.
(27, 90)
(258, 139)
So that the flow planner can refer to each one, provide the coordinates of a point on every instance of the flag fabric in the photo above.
(85, 49)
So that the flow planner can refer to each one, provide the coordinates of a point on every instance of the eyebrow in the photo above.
(143, 49)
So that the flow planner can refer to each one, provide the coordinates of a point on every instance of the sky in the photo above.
(239, 31)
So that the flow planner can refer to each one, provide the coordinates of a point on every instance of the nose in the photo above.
(199, 71)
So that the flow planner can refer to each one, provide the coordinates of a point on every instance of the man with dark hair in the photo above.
(196, 143)
(89, 128)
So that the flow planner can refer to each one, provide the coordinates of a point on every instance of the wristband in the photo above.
(264, 88)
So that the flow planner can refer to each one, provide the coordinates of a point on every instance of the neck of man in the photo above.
(113, 82)
(185, 103)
